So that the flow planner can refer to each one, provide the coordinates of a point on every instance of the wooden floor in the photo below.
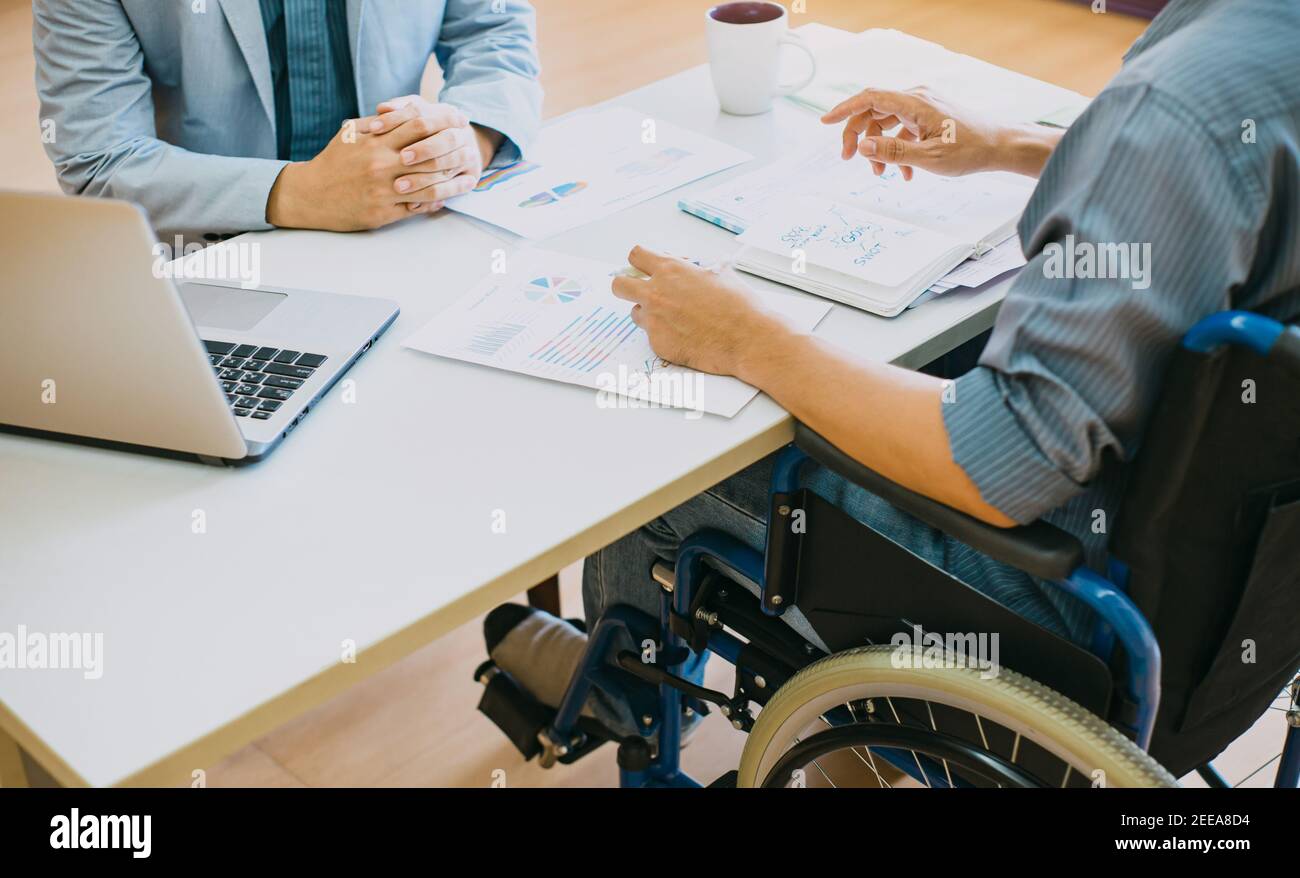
(415, 724)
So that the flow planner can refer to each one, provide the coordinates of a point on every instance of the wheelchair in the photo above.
(1195, 633)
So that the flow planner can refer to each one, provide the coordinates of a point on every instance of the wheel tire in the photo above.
(1039, 714)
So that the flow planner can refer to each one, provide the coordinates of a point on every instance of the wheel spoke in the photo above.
(919, 767)
(979, 724)
(825, 775)
(946, 770)
(1257, 770)
(870, 761)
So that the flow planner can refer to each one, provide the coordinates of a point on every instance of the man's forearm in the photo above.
(285, 207)
(1025, 149)
(887, 418)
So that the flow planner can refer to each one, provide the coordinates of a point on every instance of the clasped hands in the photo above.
(409, 158)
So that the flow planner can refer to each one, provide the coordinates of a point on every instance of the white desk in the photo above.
(373, 522)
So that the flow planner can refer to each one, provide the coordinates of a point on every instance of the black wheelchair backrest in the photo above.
(1210, 531)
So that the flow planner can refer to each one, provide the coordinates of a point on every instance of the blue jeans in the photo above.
(620, 573)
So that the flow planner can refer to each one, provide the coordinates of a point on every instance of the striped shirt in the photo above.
(1189, 159)
(311, 67)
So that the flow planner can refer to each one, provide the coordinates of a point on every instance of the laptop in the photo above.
(99, 345)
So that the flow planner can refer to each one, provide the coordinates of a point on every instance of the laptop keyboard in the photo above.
(258, 380)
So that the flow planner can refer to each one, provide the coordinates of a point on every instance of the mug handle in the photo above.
(796, 40)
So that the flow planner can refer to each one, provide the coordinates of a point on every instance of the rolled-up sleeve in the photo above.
(1074, 364)
(488, 53)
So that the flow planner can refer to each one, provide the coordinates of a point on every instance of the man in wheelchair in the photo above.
(1100, 457)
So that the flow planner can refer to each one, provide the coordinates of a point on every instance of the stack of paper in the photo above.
(977, 271)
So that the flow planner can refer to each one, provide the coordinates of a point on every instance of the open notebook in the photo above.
(818, 223)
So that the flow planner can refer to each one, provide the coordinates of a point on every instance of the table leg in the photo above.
(12, 773)
(546, 595)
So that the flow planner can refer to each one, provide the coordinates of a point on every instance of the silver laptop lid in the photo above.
(92, 342)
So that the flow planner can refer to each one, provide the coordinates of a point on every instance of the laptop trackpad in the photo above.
(232, 308)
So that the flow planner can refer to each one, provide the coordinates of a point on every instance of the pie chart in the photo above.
(553, 290)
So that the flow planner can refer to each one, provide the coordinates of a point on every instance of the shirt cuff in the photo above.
(516, 123)
(507, 153)
(1000, 457)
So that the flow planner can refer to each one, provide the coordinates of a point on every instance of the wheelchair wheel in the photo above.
(856, 719)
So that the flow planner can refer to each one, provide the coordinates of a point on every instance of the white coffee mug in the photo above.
(745, 42)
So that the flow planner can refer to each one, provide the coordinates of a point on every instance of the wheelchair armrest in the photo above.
(1040, 549)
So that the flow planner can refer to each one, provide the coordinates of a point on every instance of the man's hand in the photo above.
(936, 135)
(708, 320)
(380, 169)
(457, 150)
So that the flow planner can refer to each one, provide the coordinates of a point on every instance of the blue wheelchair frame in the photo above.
(1118, 618)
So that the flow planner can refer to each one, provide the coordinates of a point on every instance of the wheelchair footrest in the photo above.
(522, 718)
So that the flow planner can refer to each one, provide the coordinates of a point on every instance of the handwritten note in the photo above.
(817, 231)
